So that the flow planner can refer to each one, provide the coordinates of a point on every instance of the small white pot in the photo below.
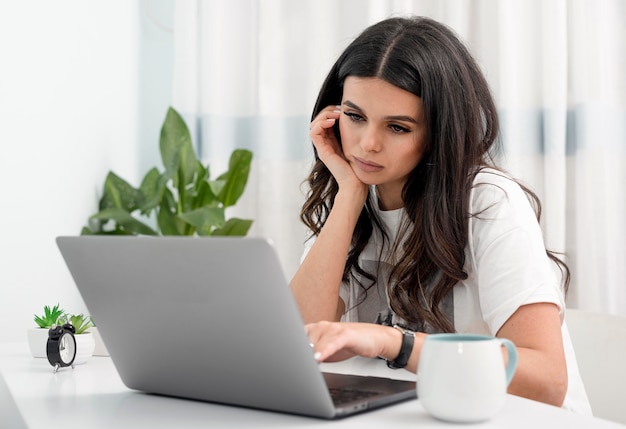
(85, 345)
(101, 348)
(38, 340)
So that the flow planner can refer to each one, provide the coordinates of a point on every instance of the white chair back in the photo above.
(599, 341)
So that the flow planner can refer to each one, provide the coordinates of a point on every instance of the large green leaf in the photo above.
(119, 193)
(205, 219)
(177, 153)
(203, 173)
(126, 220)
(236, 177)
(167, 218)
(152, 187)
(201, 195)
(205, 196)
(217, 185)
(234, 227)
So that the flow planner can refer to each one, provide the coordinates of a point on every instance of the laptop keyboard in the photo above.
(345, 395)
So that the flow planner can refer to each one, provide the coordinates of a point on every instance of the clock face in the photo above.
(67, 348)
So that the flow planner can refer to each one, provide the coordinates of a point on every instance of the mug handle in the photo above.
(512, 354)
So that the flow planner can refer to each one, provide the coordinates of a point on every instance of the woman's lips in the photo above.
(367, 166)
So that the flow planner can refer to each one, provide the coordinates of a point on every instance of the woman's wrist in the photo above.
(406, 348)
(392, 343)
(353, 197)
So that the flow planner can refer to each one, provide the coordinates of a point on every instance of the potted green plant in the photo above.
(38, 336)
(181, 200)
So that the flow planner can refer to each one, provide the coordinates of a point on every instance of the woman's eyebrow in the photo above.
(404, 118)
(352, 105)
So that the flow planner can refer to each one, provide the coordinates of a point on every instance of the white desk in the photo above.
(92, 395)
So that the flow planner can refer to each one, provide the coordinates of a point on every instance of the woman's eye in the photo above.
(354, 116)
(398, 129)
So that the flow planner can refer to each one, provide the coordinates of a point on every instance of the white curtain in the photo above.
(247, 73)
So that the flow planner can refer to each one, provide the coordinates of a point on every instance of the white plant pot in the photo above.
(85, 345)
(38, 340)
(101, 348)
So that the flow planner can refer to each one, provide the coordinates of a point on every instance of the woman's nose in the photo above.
(371, 140)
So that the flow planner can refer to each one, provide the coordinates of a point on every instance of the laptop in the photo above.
(211, 319)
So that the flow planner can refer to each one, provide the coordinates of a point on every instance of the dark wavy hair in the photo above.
(427, 59)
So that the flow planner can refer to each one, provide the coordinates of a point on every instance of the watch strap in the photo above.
(408, 339)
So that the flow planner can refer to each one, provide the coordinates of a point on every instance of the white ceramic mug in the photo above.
(462, 377)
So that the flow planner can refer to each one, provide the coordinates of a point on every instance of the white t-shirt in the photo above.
(506, 263)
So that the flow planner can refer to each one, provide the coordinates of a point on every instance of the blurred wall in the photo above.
(84, 87)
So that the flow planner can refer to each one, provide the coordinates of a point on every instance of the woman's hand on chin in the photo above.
(329, 150)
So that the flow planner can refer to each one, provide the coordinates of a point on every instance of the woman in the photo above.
(414, 229)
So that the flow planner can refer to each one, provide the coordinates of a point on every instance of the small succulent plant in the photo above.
(50, 316)
(80, 322)
(57, 316)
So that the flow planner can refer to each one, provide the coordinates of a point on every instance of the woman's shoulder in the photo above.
(496, 195)
(491, 176)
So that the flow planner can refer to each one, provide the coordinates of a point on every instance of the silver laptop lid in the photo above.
(197, 318)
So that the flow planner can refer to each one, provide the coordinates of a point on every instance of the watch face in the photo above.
(67, 348)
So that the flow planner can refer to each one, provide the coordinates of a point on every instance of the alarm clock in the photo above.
(61, 346)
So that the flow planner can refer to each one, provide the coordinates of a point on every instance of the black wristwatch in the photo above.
(408, 338)
(61, 346)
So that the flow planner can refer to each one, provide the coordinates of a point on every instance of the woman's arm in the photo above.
(337, 341)
(535, 329)
(316, 283)
(541, 372)
(509, 259)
